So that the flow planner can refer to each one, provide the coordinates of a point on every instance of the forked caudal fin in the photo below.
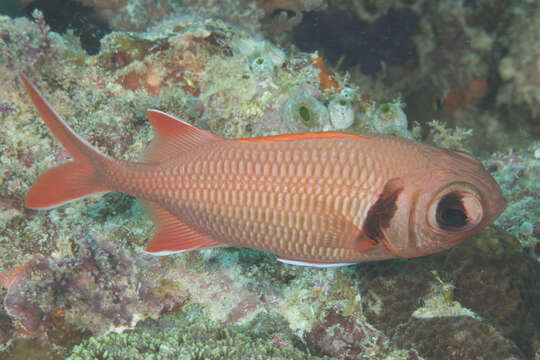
(71, 181)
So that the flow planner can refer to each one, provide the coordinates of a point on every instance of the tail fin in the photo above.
(71, 181)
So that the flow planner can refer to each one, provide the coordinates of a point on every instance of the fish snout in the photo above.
(496, 204)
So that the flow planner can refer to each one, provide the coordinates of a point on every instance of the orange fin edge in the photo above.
(302, 136)
(173, 136)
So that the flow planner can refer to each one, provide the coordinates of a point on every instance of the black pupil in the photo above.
(451, 214)
(453, 218)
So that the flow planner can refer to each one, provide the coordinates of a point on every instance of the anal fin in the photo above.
(172, 235)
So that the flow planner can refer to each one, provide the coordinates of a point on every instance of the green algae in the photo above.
(120, 49)
(190, 335)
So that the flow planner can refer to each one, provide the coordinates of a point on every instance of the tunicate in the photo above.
(262, 66)
(390, 119)
(303, 113)
(341, 112)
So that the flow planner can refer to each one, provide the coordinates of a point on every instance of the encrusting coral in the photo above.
(518, 172)
(190, 335)
(501, 295)
(74, 292)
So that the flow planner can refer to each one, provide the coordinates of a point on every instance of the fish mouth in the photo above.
(495, 209)
(499, 208)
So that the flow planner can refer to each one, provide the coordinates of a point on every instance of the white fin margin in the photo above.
(165, 253)
(304, 263)
(170, 252)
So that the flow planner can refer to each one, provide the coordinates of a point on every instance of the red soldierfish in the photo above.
(320, 199)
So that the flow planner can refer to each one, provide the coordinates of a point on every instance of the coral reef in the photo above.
(34, 45)
(46, 294)
(444, 59)
(371, 11)
(350, 336)
(519, 68)
(95, 17)
(518, 173)
(500, 298)
(190, 335)
(457, 138)
(75, 276)
(463, 337)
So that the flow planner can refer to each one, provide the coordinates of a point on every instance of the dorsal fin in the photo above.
(173, 137)
(302, 136)
(172, 235)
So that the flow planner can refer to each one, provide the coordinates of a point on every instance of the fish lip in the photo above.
(497, 209)
(501, 208)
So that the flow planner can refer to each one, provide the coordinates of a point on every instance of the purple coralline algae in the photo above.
(99, 290)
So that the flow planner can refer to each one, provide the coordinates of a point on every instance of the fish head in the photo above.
(440, 207)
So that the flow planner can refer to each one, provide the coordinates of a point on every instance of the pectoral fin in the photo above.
(342, 233)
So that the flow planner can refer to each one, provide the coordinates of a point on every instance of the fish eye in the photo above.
(451, 213)
(457, 208)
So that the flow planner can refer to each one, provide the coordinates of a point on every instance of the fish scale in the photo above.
(319, 199)
(295, 196)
